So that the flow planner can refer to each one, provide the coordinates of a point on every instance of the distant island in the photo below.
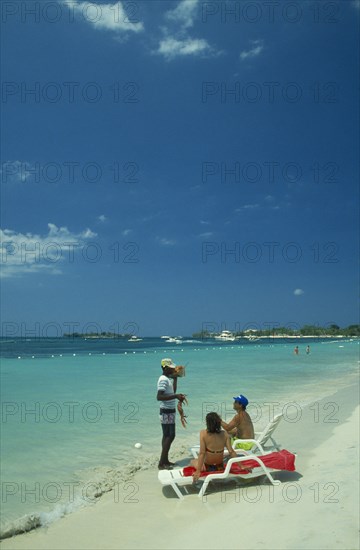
(307, 331)
(97, 335)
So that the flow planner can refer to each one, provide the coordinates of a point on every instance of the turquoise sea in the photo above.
(73, 409)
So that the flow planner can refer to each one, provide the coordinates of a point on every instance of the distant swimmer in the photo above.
(296, 350)
(308, 350)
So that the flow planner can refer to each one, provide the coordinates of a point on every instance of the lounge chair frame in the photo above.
(175, 478)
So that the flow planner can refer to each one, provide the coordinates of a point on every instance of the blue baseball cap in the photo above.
(242, 400)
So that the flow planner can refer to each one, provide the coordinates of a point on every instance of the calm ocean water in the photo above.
(72, 410)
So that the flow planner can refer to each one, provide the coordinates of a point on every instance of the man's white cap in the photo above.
(167, 363)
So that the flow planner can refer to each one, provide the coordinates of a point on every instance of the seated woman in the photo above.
(212, 443)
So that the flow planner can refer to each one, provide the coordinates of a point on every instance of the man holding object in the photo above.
(166, 393)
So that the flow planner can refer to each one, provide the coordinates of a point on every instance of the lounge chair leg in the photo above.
(203, 488)
(271, 479)
(177, 491)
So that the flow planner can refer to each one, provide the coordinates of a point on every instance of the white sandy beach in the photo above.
(316, 507)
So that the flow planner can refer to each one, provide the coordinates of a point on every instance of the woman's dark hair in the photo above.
(213, 423)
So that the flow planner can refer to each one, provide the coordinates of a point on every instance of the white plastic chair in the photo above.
(256, 464)
(261, 438)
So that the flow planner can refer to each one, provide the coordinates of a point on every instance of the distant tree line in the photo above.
(306, 330)
(96, 335)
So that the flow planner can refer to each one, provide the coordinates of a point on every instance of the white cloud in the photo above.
(250, 206)
(126, 232)
(356, 4)
(166, 242)
(118, 17)
(112, 17)
(171, 47)
(298, 291)
(184, 13)
(102, 218)
(176, 41)
(87, 234)
(206, 235)
(267, 205)
(247, 207)
(13, 171)
(22, 254)
(254, 51)
(151, 217)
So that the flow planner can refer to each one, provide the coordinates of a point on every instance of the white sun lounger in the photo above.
(176, 478)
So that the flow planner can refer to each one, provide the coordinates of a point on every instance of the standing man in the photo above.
(241, 426)
(166, 393)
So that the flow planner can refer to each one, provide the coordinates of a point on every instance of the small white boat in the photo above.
(172, 340)
(225, 336)
(134, 339)
(252, 338)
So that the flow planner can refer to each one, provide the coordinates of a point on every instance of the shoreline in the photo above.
(141, 514)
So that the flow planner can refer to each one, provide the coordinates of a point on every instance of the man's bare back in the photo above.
(244, 425)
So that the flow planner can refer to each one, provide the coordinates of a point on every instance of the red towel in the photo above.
(235, 469)
(280, 460)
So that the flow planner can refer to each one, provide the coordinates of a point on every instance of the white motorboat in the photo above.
(225, 336)
(172, 340)
(134, 339)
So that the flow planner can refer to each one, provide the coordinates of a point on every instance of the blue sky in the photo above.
(172, 166)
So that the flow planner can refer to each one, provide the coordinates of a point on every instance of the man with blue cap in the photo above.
(241, 426)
